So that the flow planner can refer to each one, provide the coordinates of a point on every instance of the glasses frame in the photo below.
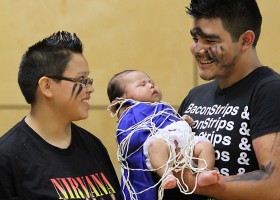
(84, 81)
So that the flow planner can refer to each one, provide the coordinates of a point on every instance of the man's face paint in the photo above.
(207, 47)
(216, 52)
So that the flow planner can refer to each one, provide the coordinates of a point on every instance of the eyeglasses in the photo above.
(85, 81)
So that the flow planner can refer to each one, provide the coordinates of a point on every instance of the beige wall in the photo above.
(117, 34)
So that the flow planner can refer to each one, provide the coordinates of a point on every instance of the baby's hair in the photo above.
(115, 88)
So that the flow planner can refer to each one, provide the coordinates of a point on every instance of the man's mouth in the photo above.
(207, 60)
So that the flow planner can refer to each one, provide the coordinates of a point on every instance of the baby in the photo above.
(151, 137)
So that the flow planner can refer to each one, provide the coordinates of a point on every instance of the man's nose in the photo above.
(200, 49)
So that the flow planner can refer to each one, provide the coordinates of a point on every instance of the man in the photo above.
(238, 111)
(45, 155)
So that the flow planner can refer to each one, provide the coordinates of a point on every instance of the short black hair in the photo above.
(47, 57)
(114, 88)
(237, 16)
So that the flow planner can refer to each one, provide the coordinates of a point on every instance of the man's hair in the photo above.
(237, 16)
(45, 58)
(115, 87)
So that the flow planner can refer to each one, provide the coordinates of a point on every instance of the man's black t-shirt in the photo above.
(232, 117)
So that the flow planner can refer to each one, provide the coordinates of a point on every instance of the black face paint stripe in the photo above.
(74, 88)
(212, 54)
(80, 89)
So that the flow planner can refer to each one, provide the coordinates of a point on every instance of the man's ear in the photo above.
(45, 84)
(247, 39)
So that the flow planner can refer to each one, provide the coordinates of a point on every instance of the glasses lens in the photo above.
(86, 81)
(90, 81)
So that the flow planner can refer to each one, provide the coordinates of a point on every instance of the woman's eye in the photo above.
(82, 80)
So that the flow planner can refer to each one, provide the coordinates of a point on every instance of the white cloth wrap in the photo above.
(179, 131)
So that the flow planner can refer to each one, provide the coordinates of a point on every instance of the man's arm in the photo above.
(260, 184)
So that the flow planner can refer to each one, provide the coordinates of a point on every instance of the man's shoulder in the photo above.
(266, 74)
(205, 87)
(266, 78)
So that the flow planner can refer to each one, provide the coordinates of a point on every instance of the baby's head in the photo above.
(133, 84)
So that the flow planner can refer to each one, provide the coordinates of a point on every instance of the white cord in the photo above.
(176, 162)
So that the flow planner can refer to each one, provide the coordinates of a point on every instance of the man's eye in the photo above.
(195, 39)
(211, 41)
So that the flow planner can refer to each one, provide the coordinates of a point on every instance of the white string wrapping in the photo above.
(176, 162)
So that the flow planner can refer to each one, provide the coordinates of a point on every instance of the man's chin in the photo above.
(206, 78)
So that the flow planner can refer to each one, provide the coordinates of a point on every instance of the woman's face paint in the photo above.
(72, 95)
(74, 88)
(79, 89)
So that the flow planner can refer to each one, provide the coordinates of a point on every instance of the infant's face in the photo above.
(140, 87)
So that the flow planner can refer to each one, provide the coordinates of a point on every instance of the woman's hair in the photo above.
(47, 57)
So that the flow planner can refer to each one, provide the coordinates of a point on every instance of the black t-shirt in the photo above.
(232, 117)
(31, 168)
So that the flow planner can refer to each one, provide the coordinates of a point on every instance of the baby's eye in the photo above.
(142, 83)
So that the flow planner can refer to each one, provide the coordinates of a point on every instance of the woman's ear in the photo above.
(247, 39)
(44, 84)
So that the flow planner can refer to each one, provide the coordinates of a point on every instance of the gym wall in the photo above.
(152, 36)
